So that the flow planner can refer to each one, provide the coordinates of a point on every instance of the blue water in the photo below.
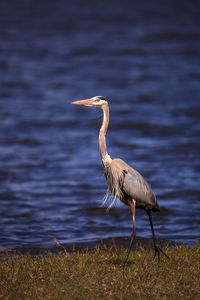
(145, 59)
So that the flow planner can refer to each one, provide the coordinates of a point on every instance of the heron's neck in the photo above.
(102, 136)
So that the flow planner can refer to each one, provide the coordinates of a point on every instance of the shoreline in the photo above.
(114, 242)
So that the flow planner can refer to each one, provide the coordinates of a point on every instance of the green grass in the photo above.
(98, 274)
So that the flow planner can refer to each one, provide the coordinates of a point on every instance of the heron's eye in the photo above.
(97, 100)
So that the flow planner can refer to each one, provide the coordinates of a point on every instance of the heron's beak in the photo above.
(83, 102)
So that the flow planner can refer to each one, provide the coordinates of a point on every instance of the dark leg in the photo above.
(132, 207)
(156, 246)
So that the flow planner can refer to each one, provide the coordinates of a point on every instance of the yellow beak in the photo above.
(83, 102)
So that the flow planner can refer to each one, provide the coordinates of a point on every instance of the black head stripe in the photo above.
(102, 98)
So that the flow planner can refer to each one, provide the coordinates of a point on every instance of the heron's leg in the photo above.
(156, 246)
(132, 205)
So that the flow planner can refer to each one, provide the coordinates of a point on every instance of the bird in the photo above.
(124, 182)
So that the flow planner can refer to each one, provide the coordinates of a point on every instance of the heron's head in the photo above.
(97, 101)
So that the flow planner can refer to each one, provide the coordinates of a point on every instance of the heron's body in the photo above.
(131, 184)
(124, 182)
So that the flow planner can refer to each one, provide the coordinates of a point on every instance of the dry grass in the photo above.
(98, 274)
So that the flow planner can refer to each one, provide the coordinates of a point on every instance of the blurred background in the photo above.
(144, 57)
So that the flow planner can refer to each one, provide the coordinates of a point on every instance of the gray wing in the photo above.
(134, 186)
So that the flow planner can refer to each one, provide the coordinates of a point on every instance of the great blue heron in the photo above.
(124, 182)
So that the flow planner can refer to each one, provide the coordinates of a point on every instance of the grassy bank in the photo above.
(98, 274)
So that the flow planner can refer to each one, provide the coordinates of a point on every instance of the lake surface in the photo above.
(145, 59)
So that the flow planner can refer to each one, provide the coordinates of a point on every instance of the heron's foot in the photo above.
(157, 252)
